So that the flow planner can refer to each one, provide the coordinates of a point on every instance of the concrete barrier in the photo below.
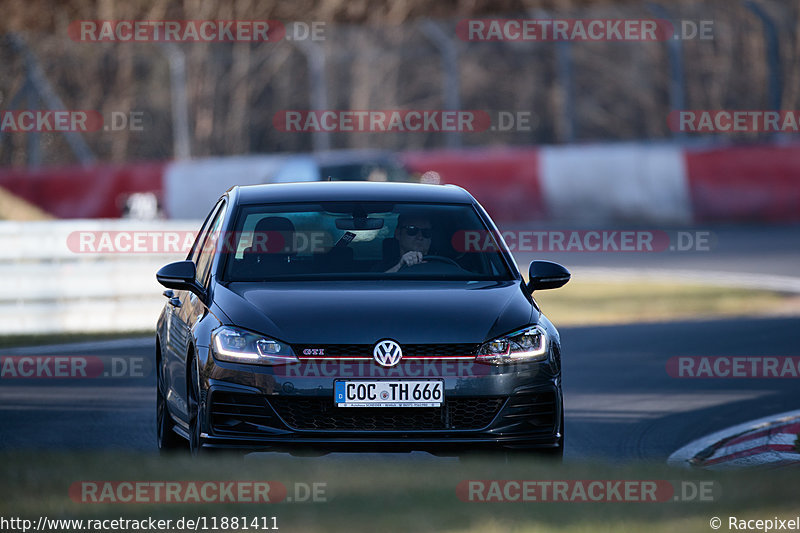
(97, 191)
(628, 182)
(746, 183)
(603, 183)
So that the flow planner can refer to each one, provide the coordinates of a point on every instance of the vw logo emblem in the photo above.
(387, 353)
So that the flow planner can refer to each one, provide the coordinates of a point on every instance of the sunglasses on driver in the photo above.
(412, 231)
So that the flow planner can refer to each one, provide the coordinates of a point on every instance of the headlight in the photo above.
(239, 346)
(529, 344)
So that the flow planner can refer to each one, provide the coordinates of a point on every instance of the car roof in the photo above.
(342, 191)
(354, 156)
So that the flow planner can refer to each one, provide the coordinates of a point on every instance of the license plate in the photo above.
(401, 393)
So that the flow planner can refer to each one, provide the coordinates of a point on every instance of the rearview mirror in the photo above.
(179, 275)
(546, 275)
(359, 223)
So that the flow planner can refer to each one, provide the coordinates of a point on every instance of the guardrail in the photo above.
(46, 287)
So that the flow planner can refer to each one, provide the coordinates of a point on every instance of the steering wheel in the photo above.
(441, 259)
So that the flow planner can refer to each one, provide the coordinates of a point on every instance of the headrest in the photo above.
(274, 224)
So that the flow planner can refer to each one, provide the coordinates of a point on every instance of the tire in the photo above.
(166, 438)
(552, 455)
(195, 412)
(555, 455)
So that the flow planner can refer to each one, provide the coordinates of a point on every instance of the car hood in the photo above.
(365, 312)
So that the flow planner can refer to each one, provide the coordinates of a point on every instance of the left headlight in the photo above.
(240, 346)
(525, 345)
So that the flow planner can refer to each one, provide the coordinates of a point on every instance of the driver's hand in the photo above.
(407, 259)
(411, 258)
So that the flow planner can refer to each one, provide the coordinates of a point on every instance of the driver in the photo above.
(413, 233)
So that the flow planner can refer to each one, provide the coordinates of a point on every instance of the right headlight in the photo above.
(240, 346)
(525, 345)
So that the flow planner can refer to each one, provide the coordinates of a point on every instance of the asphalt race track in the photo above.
(621, 404)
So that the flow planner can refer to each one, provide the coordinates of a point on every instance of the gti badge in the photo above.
(387, 353)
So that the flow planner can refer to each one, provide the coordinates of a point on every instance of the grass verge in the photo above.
(592, 303)
(396, 494)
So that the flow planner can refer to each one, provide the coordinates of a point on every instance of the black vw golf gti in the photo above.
(356, 316)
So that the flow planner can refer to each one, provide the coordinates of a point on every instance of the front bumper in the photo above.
(268, 408)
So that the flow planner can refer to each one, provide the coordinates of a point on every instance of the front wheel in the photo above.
(555, 454)
(195, 427)
(166, 437)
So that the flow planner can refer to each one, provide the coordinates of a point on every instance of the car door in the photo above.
(182, 315)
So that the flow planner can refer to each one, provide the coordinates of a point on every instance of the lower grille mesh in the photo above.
(322, 414)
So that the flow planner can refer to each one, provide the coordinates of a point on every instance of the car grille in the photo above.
(409, 350)
(322, 414)
(240, 413)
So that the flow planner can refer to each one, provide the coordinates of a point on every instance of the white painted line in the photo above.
(88, 346)
(682, 456)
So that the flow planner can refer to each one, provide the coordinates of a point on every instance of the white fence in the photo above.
(47, 285)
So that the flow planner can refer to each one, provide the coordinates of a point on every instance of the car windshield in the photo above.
(362, 240)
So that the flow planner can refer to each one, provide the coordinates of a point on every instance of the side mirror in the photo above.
(179, 275)
(546, 275)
